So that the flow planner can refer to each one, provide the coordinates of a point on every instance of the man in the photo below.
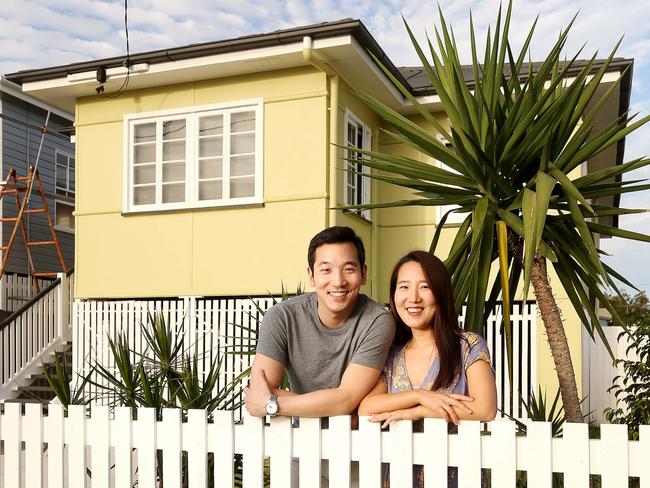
(332, 342)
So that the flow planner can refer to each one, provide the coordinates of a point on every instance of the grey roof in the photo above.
(420, 83)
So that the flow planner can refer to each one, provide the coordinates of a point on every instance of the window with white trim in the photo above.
(356, 189)
(64, 174)
(453, 218)
(197, 157)
(64, 188)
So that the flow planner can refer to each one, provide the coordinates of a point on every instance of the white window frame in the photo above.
(66, 192)
(350, 179)
(454, 218)
(191, 115)
(63, 228)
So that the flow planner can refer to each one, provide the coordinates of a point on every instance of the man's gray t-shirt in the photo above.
(315, 356)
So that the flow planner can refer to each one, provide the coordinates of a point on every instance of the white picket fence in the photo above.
(32, 333)
(16, 290)
(218, 325)
(110, 449)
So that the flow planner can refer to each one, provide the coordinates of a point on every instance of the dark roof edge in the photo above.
(277, 38)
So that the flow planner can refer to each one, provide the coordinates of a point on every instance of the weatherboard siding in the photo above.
(19, 149)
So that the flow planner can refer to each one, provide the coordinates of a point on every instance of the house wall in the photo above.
(221, 251)
(20, 145)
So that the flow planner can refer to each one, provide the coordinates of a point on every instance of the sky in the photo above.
(39, 33)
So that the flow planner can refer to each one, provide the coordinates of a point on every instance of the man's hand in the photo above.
(256, 398)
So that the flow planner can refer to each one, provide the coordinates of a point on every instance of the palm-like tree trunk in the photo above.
(557, 340)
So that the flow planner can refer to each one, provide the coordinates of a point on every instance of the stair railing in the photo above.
(35, 330)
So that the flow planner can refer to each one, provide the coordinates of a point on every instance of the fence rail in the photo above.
(32, 331)
(114, 450)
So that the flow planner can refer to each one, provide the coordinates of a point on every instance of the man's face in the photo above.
(337, 278)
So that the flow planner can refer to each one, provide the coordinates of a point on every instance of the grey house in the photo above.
(21, 120)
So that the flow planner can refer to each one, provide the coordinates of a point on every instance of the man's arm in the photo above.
(266, 375)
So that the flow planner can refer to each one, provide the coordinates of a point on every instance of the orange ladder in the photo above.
(18, 185)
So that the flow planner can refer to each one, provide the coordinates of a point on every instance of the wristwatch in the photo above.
(271, 406)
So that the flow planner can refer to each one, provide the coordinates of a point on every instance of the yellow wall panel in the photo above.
(121, 256)
(250, 252)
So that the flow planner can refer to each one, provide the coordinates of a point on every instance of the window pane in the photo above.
(173, 150)
(210, 190)
(71, 180)
(211, 146)
(61, 179)
(64, 215)
(242, 187)
(352, 135)
(61, 159)
(145, 153)
(210, 126)
(242, 121)
(144, 174)
(351, 195)
(145, 132)
(173, 129)
(143, 195)
(173, 193)
(242, 165)
(242, 143)
(174, 172)
(71, 160)
(210, 168)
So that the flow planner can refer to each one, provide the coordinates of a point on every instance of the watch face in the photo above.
(272, 407)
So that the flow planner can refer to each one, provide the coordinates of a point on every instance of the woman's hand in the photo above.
(388, 418)
(443, 404)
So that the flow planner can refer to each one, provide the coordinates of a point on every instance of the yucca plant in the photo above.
(515, 139)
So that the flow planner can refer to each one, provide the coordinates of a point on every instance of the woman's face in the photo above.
(414, 299)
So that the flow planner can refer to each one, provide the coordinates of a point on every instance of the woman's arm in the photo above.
(482, 387)
(379, 400)
(437, 404)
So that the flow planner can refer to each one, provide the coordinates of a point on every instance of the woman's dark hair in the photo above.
(446, 332)
(335, 235)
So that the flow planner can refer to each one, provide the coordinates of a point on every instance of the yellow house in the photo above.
(204, 170)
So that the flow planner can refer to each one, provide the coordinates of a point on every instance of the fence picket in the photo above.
(434, 447)
(367, 449)
(122, 435)
(614, 456)
(53, 431)
(466, 452)
(99, 436)
(400, 453)
(641, 467)
(309, 452)
(75, 437)
(575, 455)
(221, 441)
(144, 440)
(11, 435)
(197, 448)
(503, 449)
(537, 454)
(33, 435)
(339, 448)
(170, 440)
(251, 444)
(280, 441)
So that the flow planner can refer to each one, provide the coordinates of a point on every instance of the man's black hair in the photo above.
(335, 235)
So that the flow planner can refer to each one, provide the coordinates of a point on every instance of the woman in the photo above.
(434, 368)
